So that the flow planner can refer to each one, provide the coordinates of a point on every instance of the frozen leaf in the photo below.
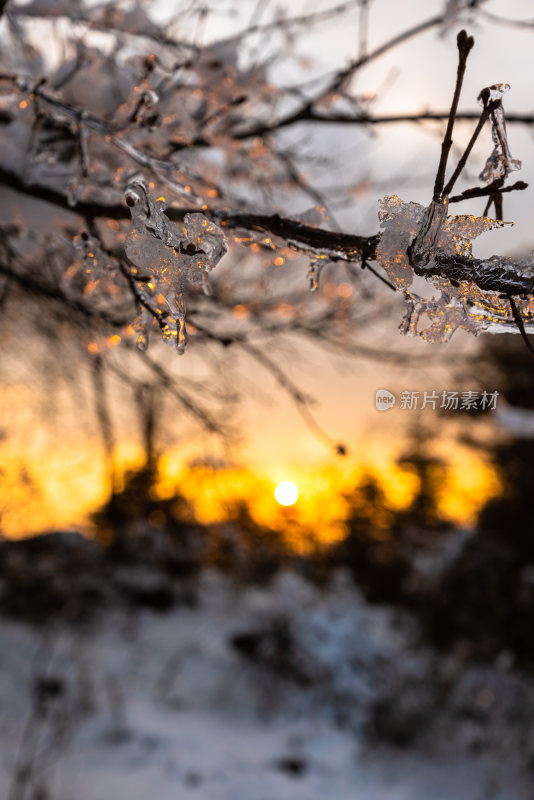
(165, 257)
(459, 231)
(423, 241)
(500, 163)
(400, 223)
(207, 240)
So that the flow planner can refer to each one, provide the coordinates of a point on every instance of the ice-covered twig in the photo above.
(70, 115)
(484, 191)
(422, 248)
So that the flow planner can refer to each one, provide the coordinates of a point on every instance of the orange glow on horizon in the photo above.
(59, 493)
(53, 477)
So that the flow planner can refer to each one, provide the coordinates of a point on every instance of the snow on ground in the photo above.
(249, 694)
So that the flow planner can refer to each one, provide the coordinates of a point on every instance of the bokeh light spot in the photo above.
(286, 493)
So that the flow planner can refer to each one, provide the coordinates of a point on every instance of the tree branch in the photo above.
(344, 246)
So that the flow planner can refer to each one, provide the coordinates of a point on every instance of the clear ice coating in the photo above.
(163, 258)
(500, 162)
(428, 233)
(409, 228)
(400, 223)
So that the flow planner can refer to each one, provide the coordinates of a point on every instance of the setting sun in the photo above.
(286, 493)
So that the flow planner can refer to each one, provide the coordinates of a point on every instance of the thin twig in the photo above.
(366, 265)
(484, 191)
(519, 322)
(465, 44)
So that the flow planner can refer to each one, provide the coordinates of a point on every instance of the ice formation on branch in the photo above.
(163, 258)
(500, 163)
(92, 273)
(418, 241)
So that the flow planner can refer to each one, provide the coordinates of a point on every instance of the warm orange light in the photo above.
(69, 480)
(240, 311)
(329, 289)
(286, 493)
(285, 310)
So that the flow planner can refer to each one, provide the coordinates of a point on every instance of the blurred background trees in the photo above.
(282, 127)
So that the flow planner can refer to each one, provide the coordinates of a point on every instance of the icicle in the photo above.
(500, 163)
(141, 325)
(314, 273)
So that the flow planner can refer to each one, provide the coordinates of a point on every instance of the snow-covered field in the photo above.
(280, 693)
